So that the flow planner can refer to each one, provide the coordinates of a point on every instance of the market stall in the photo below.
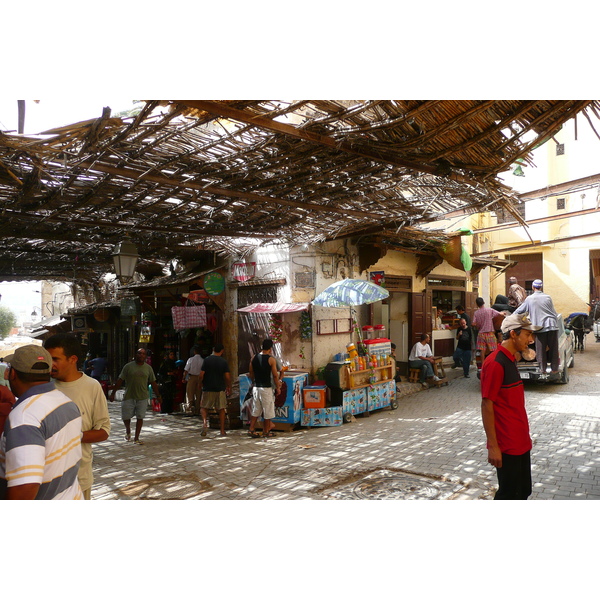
(289, 400)
(359, 384)
(363, 380)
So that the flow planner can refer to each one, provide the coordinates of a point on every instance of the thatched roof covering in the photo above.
(184, 178)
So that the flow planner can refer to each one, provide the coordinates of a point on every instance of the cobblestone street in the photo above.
(431, 447)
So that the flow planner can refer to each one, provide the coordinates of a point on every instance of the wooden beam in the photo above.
(536, 244)
(562, 188)
(512, 224)
(211, 189)
(171, 231)
(223, 110)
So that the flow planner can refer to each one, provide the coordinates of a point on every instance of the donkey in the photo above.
(581, 324)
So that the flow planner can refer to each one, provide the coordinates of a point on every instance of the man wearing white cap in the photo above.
(503, 411)
(542, 313)
(40, 449)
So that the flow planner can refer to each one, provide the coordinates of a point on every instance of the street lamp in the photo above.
(125, 257)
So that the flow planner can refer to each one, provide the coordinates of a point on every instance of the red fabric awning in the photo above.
(275, 307)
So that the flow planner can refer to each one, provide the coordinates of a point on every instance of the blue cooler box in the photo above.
(288, 403)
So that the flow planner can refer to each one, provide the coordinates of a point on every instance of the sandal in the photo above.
(138, 442)
(254, 434)
(128, 437)
(270, 434)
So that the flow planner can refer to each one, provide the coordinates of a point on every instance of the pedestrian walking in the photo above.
(137, 375)
(462, 354)
(262, 367)
(167, 375)
(503, 411)
(191, 373)
(542, 313)
(98, 366)
(66, 352)
(215, 380)
(483, 321)
(40, 448)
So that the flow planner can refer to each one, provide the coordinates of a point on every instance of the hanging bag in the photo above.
(189, 316)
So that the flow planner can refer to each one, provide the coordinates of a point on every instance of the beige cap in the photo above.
(516, 321)
(30, 359)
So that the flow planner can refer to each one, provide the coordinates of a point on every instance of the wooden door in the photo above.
(420, 316)
(470, 306)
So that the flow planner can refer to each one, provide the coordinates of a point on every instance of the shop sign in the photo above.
(214, 284)
(243, 271)
(377, 277)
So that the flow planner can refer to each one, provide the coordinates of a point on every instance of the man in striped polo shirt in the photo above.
(40, 448)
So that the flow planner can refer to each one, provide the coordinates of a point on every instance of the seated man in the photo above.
(421, 357)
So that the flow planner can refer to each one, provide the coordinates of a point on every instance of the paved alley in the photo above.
(431, 447)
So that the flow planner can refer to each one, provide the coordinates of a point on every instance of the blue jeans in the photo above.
(462, 357)
(425, 366)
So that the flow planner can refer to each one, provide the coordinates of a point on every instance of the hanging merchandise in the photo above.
(305, 325)
(187, 317)
(211, 322)
(146, 336)
(275, 328)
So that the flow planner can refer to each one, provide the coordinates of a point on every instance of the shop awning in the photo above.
(275, 307)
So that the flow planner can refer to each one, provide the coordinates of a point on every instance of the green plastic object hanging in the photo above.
(465, 258)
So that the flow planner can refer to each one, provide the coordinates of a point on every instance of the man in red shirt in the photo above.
(503, 410)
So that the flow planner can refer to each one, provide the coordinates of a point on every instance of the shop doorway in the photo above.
(528, 268)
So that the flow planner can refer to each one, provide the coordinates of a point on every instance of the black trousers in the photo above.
(514, 477)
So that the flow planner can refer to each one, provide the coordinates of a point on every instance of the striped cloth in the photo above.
(41, 444)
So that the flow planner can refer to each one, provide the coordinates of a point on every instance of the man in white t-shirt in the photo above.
(191, 374)
(87, 393)
(421, 357)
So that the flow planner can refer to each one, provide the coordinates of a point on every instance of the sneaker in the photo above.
(424, 384)
(436, 378)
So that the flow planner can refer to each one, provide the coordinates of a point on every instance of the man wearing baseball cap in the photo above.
(40, 447)
(542, 313)
(503, 410)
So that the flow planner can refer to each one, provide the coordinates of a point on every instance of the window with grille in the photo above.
(257, 294)
(394, 283)
(506, 217)
(560, 149)
(304, 280)
(560, 204)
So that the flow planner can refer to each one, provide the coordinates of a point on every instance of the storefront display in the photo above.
(362, 381)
